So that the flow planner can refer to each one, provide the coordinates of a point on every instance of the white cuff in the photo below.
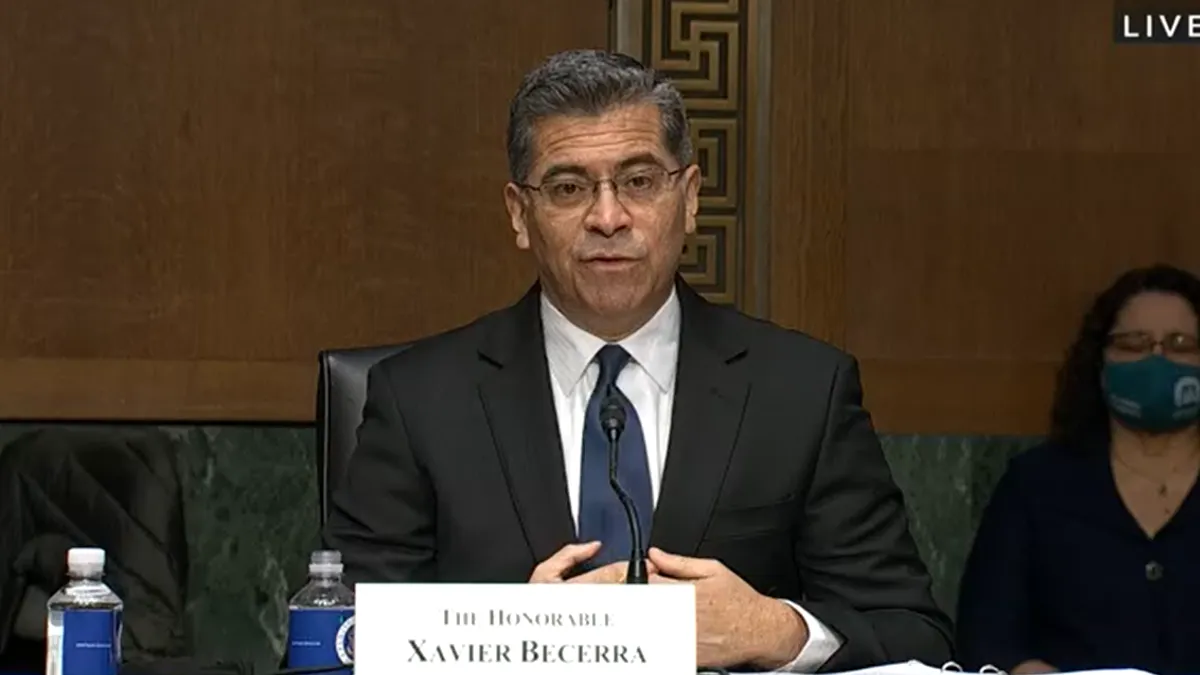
(822, 643)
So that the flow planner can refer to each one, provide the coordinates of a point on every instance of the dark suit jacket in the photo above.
(772, 468)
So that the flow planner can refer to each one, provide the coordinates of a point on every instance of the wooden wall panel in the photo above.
(810, 93)
(966, 179)
(196, 197)
(717, 53)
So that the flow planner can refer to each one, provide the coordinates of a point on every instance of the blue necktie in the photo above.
(601, 517)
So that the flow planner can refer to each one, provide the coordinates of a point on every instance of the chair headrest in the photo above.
(341, 393)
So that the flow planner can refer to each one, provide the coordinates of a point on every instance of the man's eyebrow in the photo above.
(643, 159)
(556, 170)
(639, 160)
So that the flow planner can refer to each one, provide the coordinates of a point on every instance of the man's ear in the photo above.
(514, 200)
(691, 197)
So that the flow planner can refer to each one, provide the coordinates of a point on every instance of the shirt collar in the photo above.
(654, 346)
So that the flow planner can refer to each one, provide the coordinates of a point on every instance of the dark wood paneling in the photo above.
(158, 389)
(952, 396)
(810, 93)
(992, 255)
(954, 183)
(196, 197)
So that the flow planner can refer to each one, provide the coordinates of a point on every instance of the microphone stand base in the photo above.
(637, 572)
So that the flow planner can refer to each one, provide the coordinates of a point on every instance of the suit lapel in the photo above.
(710, 397)
(520, 411)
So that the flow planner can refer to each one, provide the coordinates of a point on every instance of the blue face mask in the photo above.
(1153, 394)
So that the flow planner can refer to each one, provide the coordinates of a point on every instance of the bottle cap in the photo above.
(90, 557)
(325, 562)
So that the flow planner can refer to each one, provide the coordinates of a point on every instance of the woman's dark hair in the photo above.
(1080, 416)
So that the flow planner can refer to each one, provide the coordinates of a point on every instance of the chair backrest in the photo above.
(341, 393)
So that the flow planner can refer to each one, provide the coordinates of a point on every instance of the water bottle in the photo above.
(83, 620)
(321, 617)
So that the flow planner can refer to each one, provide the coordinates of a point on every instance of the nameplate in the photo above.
(500, 629)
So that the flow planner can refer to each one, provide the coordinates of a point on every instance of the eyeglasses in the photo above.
(639, 187)
(1141, 342)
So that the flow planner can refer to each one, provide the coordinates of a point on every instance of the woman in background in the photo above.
(1088, 555)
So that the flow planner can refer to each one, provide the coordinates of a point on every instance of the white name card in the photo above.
(498, 629)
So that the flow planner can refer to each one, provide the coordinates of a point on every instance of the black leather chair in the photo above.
(341, 392)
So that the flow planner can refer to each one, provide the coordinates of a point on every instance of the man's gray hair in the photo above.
(588, 83)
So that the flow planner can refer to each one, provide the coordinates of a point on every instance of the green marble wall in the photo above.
(947, 481)
(250, 510)
(251, 517)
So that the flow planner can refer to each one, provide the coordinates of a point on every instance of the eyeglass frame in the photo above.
(1187, 348)
(668, 174)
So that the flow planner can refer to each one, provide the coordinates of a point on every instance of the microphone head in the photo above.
(612, 414)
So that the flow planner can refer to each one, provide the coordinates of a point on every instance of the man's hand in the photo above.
(555, 569)
(1034, 667)
(735, 624)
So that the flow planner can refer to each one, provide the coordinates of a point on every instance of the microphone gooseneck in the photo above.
(612, 420)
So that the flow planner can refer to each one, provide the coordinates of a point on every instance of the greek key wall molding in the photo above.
(714, 51)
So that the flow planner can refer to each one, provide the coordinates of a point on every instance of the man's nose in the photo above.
(607, 215)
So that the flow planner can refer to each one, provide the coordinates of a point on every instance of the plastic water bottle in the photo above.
(83, 622)
(321, 617)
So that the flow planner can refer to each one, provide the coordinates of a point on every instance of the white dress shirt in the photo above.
(648, 381)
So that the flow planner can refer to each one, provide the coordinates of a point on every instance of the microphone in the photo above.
(612, 420)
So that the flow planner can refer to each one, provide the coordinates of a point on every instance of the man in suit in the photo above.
(746, 448)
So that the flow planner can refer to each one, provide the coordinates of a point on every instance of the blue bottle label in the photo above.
(91, 641)
(321, 637)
